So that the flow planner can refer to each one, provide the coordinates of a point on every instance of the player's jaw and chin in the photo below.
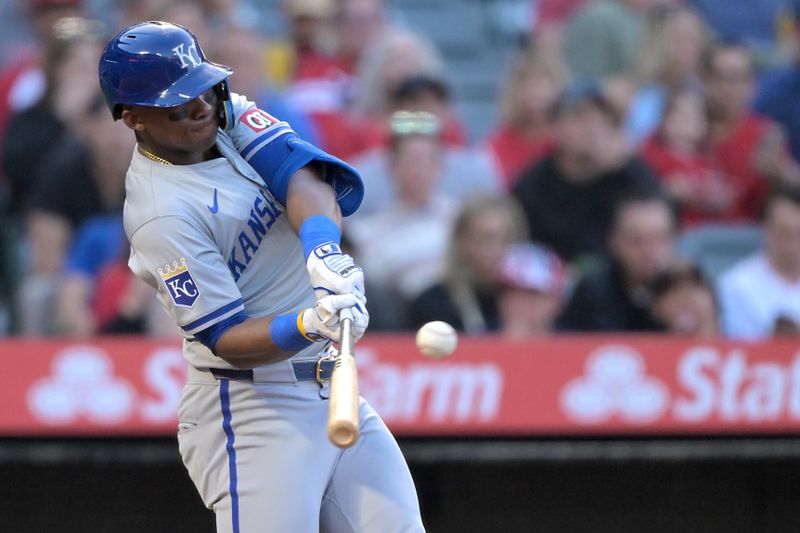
(175, 139)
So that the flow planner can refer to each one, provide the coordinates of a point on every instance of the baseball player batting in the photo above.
(235, 222)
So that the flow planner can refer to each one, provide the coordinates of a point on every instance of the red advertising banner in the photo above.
(593, 385)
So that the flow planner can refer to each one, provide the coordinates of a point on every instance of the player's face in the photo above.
(190, 128)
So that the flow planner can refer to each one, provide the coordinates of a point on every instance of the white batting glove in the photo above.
(333, 272)
(321, 322)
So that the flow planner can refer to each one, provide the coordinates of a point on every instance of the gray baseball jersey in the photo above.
(213, 239)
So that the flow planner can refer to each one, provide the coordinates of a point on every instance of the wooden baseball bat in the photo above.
(343, 420)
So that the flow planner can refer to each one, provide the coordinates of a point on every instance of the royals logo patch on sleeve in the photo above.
(180, 285)
(258, 120)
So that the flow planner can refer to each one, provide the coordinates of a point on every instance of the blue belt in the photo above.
(303, 371)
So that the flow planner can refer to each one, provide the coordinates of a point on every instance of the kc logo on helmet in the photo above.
(180, 285)
(188, 56)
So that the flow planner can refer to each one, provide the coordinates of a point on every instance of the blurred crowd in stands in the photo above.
(642, 175)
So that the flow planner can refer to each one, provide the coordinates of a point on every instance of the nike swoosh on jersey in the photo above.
(214, 208)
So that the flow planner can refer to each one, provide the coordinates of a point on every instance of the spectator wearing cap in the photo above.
(568, 196)
(402, 245)
(533, 284)
(776, 96)
(760, 295)
(466, 294)
(684, 302)
(465, 172)
(524, 133)
(616, 295)
(420, 92)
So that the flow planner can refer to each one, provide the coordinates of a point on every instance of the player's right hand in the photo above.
(321, 322)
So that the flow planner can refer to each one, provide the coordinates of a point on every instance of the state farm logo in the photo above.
(82, 384)
(615, 384)
(435, 392)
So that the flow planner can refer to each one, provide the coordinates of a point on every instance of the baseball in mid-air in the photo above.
(437, 339)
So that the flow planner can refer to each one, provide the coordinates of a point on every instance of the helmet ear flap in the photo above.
(222, 90)
(225, 108)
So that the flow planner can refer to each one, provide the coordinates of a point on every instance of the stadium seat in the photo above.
(716, 247)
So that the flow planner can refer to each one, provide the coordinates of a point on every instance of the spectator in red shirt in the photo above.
(676, 153)
(750, 149)
(524, 134)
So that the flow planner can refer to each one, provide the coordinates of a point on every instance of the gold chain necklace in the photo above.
(152, 157)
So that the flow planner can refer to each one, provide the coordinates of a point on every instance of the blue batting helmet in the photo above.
(156, 64)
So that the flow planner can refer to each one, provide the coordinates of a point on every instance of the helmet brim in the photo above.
(189, 87)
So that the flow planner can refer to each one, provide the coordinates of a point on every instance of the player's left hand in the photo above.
(333, 272)
(322, 321)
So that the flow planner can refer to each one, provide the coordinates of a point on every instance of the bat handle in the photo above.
(346, 331)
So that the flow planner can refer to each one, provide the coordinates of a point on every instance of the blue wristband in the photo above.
(285, 333)
(316, 230)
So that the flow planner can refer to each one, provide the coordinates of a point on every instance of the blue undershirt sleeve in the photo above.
(211, 335)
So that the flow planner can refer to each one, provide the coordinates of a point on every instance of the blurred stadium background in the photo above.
(601, 195)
